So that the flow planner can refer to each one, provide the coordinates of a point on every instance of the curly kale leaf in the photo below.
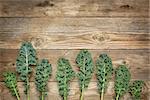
(135, 89)
(10, 81)
(64, 74)
(104, 70)
(85, 64)
(122, 79)
(26, 57)
(43, 72)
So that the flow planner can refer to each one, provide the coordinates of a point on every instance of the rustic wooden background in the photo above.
(59, 28)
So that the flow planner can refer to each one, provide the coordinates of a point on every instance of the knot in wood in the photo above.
(126, 6)
(101, 37)
(37, 42)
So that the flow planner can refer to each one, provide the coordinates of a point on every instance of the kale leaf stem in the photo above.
(82, 90)
(18, 98)
(102, 94)
(42, 95)
(65, 83)
(81, 97)
(117, 98)
(27, 65)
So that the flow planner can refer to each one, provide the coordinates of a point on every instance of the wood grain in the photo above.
(90, 94)
(88, 40)
(73, 8)
(74, 33)
(137, 60)
(73, 25)
(59, 28)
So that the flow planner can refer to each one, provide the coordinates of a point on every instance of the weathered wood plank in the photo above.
(90, 94)
(73, 25)
(85, 31)
(137, 60)
(80, 8)
(89, 40)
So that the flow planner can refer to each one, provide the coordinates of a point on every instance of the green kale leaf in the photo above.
(135, 89)
(104, 71)
(10, 81)
(64, 75)
(43, 72)
(86, 67)
(122, 79)
(26, 58)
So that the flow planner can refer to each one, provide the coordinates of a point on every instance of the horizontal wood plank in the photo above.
(90, 94)
(88, 40)
(74, 33)
(73, 8)
(137, 60)
(73, 25)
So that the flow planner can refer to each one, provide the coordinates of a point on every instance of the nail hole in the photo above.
(13, 64)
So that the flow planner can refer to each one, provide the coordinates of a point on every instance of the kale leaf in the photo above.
(122, 79)
(10, 81)
(43, 72)
(86, 67)
(64, 75)
(135, 89)
(104, 71)
(26, 58)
